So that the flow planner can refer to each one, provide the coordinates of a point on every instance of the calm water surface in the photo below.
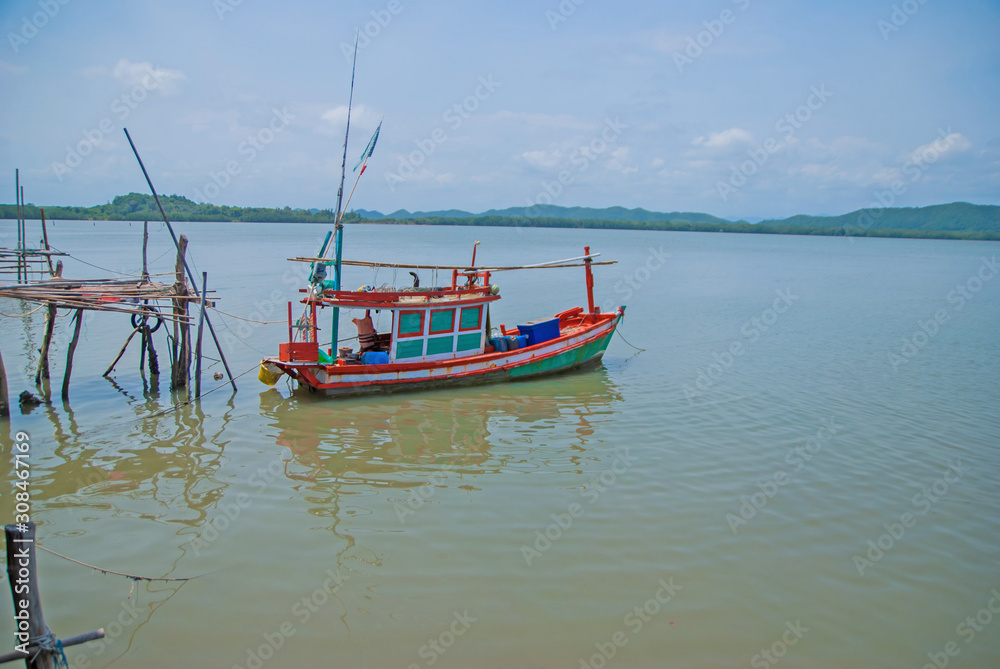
(778, 471)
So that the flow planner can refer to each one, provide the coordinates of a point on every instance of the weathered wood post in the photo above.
(197, 346)
(182, 361)
(36, 644)
(23, 578)
(69, 354)
(4, 400)
(43, 357)
(45, 240)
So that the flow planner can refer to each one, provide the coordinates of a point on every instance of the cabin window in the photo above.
(437, 345)
(471, 318)
(409, 349)
(442, 320)
(468, 342)
(411, 323)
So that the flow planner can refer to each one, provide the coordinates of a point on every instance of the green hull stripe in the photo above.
(565, 359)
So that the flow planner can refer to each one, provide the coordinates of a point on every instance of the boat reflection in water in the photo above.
(406, 441)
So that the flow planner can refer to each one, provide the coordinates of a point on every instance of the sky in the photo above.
(737, 108)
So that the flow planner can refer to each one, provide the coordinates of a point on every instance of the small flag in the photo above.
(369, 149)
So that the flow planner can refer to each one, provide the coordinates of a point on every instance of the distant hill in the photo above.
(957, 216)
(554, 211)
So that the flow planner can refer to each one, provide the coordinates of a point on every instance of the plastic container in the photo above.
(540, 331)
(522, 341)
(374, 358)
(512, 344)
(499, 344)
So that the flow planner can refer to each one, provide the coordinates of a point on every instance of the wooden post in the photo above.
(17, 200)
(29, 623)
(197, 346)
(4, 400)
(21, 571)
(45, 240)
(70, 352)
(24, 238)
(182, 366)
(145, 242)
(43, 359)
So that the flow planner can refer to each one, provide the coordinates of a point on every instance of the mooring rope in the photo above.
(49, 643)
(248, 320)
(134, 577)
(619, 333)
(22, 315)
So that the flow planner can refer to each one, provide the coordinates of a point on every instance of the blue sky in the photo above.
(738, 108)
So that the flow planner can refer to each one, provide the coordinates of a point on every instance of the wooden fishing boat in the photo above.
(439, 336)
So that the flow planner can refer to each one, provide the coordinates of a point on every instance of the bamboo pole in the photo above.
(24, 238)
(170, 228)
(43, 358)
(70, 352)
(121, 352)
(201, 322)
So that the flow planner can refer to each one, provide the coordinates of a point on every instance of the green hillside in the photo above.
(958, 216)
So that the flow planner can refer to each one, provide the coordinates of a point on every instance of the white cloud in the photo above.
(657, 163)
(130, 74)
(332, 121)
(725, 139)
(543, 160)
(618, 159)
(7, 68)
(954, 142)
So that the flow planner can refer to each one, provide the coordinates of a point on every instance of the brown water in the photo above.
(693, 505)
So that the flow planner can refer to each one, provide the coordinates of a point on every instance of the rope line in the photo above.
(22, 315)
(619, 333)
(134, 577)
(248, 320)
